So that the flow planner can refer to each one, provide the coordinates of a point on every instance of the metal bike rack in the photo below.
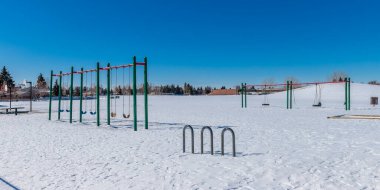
(192, 138)
(211, 139)
(233, 141)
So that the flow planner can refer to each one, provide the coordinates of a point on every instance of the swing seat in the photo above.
(67, 110)
(84, 112)
(318, 105)
(93, 113)
(113, 114)
(61, 110)
(265, 104)
(126, 116)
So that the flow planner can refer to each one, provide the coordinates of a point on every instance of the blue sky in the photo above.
(201, 41)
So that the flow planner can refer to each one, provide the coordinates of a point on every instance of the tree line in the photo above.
(186, 89)
(7, 79)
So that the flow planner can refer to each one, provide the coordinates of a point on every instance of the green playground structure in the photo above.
(289, 92)
(68, 104)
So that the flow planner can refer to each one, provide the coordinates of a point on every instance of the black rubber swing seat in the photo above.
(317, 105)
(126, 116)
(93, 113)
(84, 112)
(265, 104)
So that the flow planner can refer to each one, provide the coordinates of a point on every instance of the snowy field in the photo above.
(276, 148)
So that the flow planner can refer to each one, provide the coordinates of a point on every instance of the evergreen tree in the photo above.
(207, 90)
(41, 82)
(77, 91)
(56, 88)
(119, 90)
(6, 78)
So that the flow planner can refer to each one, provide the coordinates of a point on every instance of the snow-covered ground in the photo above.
(277, 148)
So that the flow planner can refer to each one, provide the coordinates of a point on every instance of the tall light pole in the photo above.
(31, 94)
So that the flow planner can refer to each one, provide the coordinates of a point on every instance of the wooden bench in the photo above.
(9, 110)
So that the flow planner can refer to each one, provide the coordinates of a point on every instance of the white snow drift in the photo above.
(277, 148)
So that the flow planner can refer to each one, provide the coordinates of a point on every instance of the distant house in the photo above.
(224, 92)
(2, 87)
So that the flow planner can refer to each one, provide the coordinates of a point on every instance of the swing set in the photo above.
(87, 92)
(121, 91)
(290, 97)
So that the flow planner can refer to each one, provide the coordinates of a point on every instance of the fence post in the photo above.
(211, 139)
(184, 138)
(51, 93)
(233, 141)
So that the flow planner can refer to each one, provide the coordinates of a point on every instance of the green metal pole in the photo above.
(134, 95)
(71, 94)
(287, 94)
(97, 94)
(51, 93)
(349, 93)
(345, 94)
(59, 95)
(81, 97)
(242, 95)
(291, 95)
(245, 94)
(109, 94)
(146, 91)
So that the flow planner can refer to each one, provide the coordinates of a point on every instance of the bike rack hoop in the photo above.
(184, 138)
(211, 139)
(233, 141)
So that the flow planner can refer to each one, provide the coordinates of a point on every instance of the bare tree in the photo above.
(268, 81)
(338, 76)
(293, 79)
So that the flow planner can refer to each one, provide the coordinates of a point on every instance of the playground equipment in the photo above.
(114, 95)
(211, 139)
(8, 110)
(95, 107)
(290, 98)
(243, 92)
(265, 93)
(318, 96)
(81, 94)
(129, 93)
(92, 103)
